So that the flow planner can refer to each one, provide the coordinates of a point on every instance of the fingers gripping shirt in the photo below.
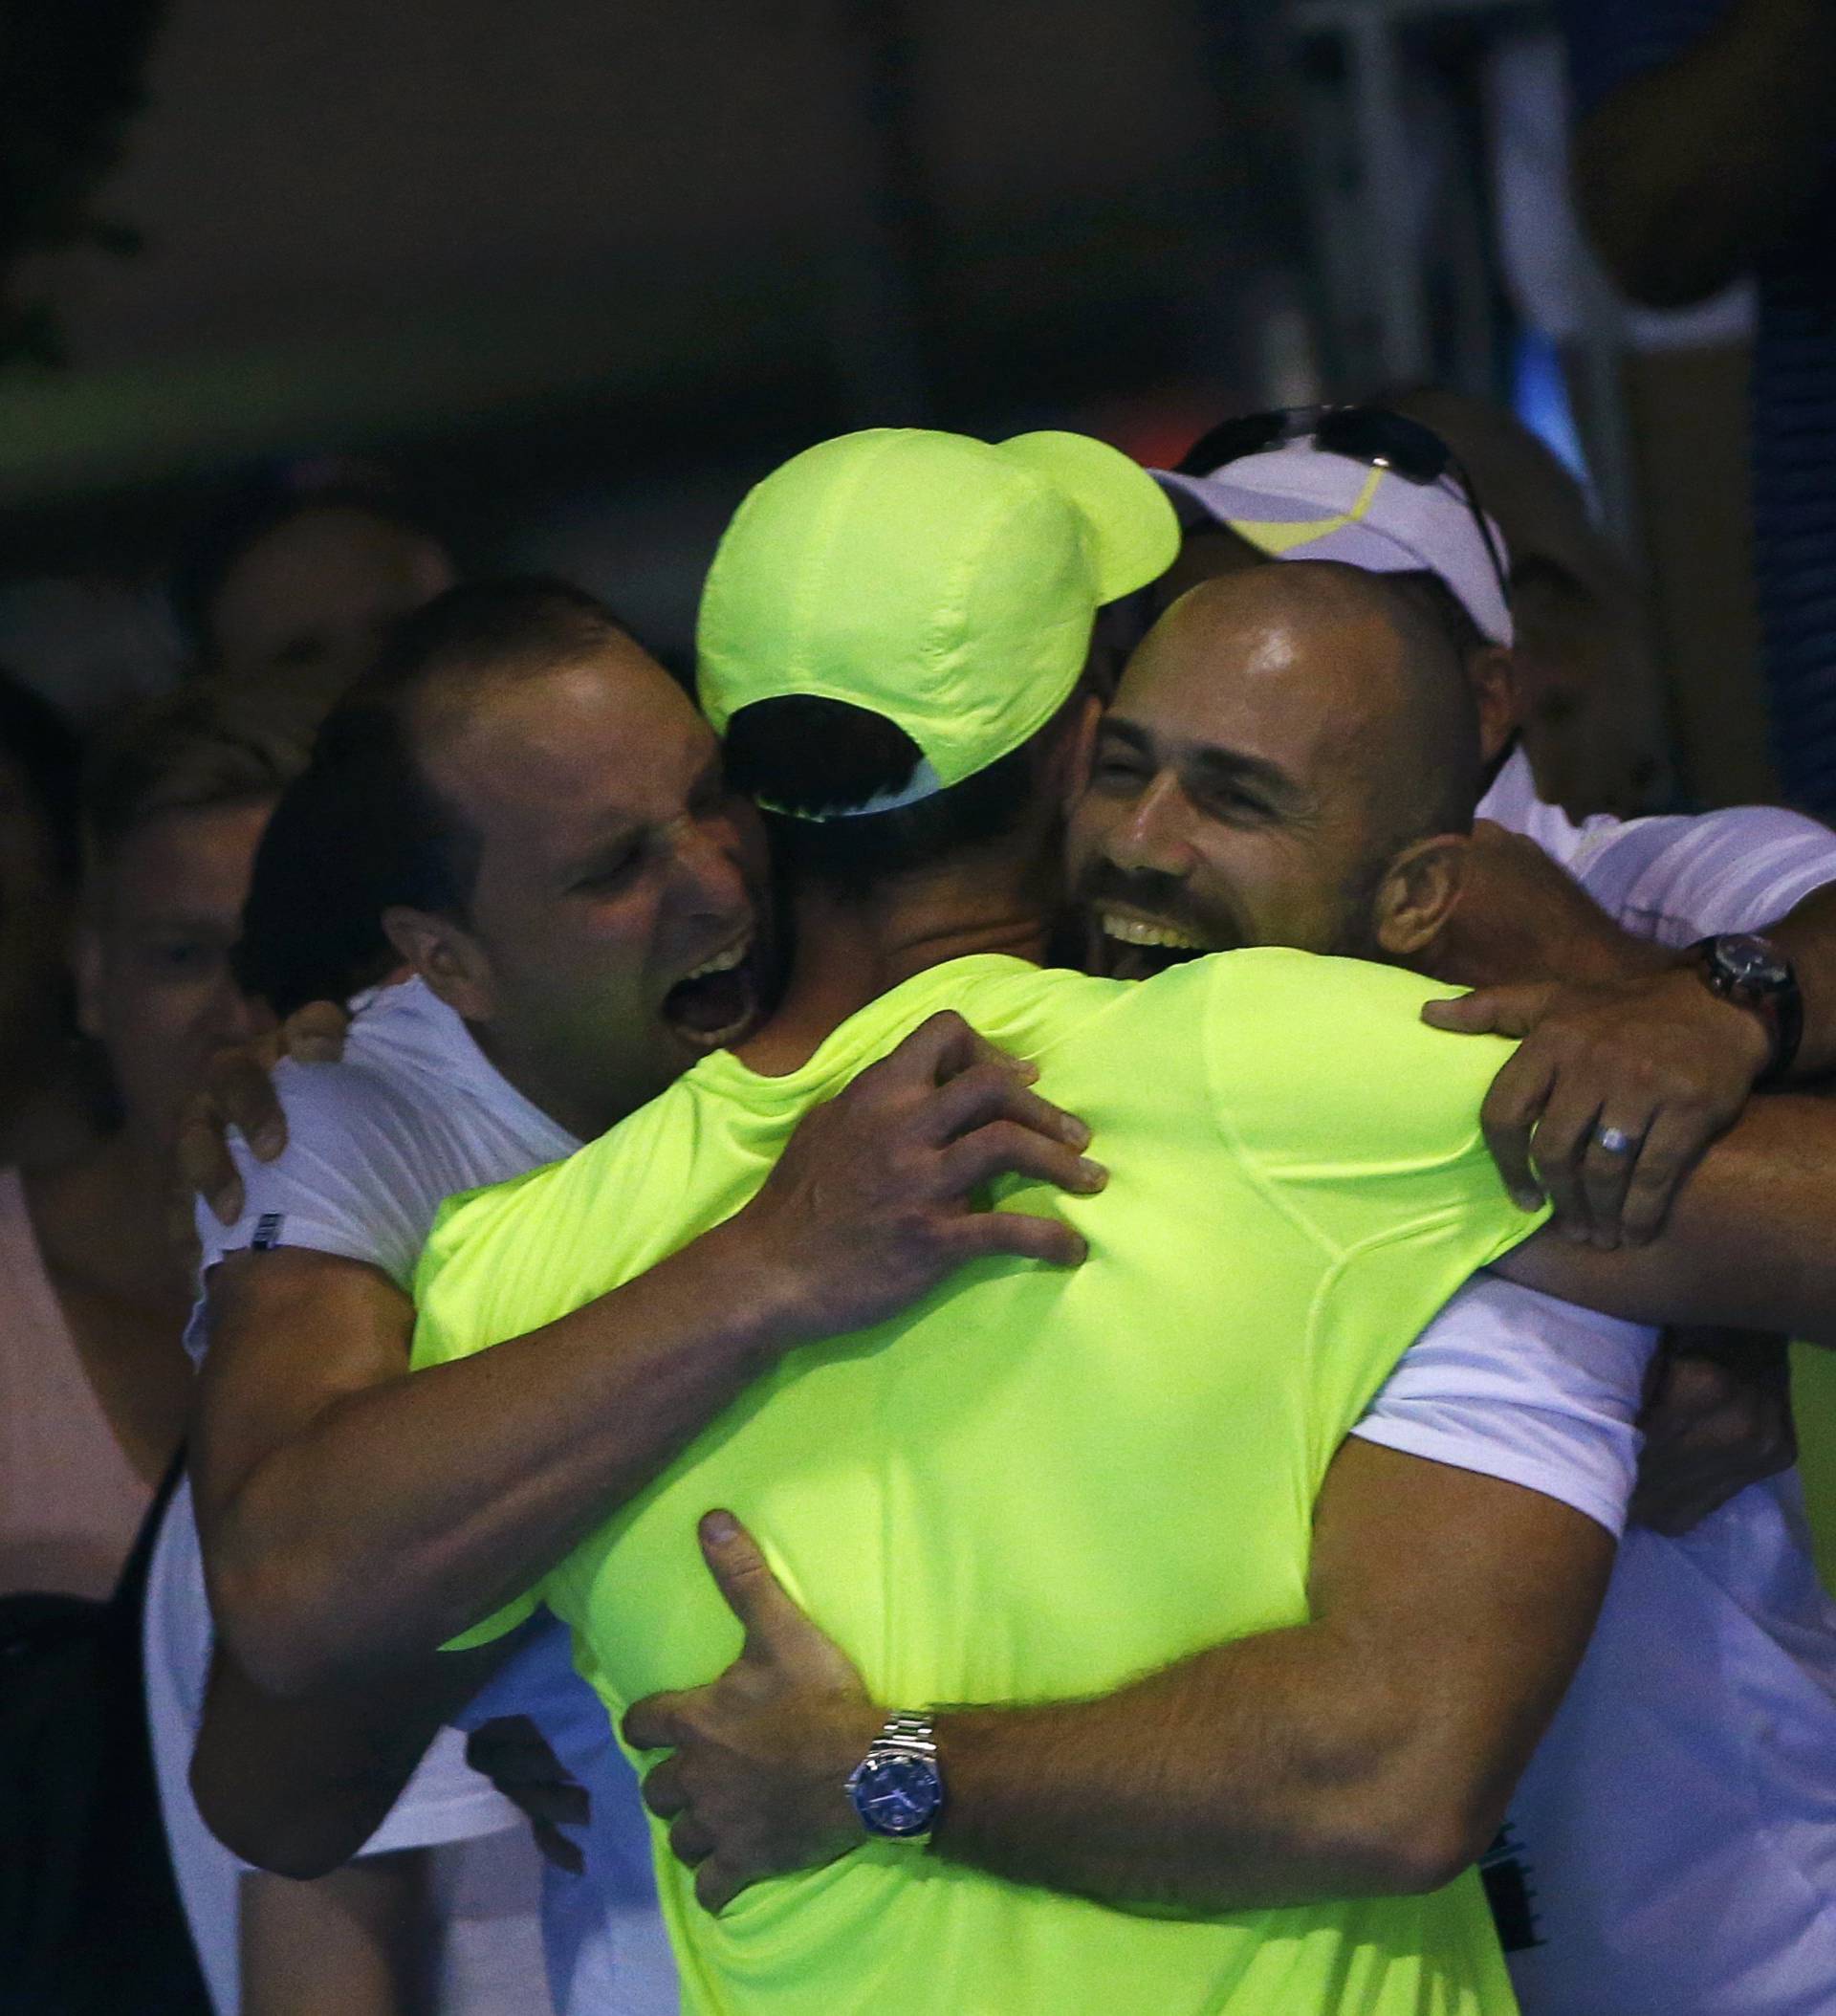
(1015, 1490)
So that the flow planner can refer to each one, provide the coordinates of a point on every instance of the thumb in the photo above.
(1489, 1011)
(745, 1580)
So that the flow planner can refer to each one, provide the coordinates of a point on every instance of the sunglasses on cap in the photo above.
(1372, 436)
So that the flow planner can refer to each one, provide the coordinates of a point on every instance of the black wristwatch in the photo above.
(1753, 974)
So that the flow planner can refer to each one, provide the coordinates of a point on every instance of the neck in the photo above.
(850, 950)
(584, 1116)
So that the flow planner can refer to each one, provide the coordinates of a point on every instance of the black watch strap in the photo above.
(1753, 974)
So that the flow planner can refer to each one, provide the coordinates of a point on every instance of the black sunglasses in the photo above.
(1370, 434)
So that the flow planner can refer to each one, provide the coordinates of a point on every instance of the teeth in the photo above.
(722, 961)
(1132, 930)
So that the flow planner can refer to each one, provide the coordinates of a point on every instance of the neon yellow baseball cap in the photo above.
(946, 583)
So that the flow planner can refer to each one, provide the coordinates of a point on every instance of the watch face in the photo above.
(897, 1795)
(1750, 962)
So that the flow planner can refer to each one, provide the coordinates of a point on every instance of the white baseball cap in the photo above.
(1300, 501)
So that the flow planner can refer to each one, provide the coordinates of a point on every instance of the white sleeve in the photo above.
(446, 1800)
(361, 1175)
(1678, 880)
(1519, 1386)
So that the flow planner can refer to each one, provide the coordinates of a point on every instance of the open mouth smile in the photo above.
(717, 1002)
(1136, 947)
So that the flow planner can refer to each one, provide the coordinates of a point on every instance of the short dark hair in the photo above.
(816, 757)
(364, 829)
(1440, 775)
(1439, 602)
(44, 749)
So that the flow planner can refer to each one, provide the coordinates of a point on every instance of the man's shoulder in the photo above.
(1682, 876)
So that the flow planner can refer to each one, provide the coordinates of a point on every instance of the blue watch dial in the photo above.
(897, 1796)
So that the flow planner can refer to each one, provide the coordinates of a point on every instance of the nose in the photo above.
(708, 871)
(237, 1017)
(1155, 834)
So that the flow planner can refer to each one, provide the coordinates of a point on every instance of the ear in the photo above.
(1076, 752)
(86, 969)
(447, 956)
(1419, 894)
(1493, 676)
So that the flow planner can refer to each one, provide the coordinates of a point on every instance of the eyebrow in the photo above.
(1213, 763)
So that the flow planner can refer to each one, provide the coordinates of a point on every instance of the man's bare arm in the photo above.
(1370, 1751)
(1747, 1244)
(353, 1516)
(297, 1786)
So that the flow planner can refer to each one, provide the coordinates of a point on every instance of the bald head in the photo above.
(1347, 673)
(1286, 751)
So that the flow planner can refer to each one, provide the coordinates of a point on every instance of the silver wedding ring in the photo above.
(1614, 1141)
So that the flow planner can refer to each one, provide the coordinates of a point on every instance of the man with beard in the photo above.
(1380, 492)
(1274, 771)
(1354, 1756)
(531, 815)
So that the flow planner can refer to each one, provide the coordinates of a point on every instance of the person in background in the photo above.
(1704, 149)
(294, 581)
(94, 1383)
(1591, 696)
(97, 1383)
(46, 1094)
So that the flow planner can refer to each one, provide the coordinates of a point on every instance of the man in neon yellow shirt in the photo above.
(975, 1500)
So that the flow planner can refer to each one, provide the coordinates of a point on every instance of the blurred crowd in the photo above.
(146, 1002)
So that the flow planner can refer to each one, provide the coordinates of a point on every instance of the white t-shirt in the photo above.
(1671, 1848)
(412, 1114)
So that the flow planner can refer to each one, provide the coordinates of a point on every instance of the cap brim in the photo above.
(1307, 521)
(1134, 531)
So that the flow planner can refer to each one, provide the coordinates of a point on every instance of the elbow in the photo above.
(266, 1837)
(265, 1617)
(1421, 1842)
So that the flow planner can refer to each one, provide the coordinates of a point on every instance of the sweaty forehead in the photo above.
(1291, 671)
(609, 736)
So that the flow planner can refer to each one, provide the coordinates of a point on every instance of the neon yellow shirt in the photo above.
(1038, 1484)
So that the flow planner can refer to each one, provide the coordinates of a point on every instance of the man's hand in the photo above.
(517, 1759)
(1617, 1090)
(757, 1783)
(875, 1199)
(1718, 1417)
(238, 1091)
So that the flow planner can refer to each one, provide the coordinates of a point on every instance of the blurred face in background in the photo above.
(618, 927)
(1589, 696)
(162, 914)
(308, 602)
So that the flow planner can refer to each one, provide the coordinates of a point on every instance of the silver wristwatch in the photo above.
(897, 1788)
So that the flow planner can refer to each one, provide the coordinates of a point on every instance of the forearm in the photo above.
(407, 1510)
(1685, 173)
(1747, 1242)
(364, 1942)
(1281, 1769)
